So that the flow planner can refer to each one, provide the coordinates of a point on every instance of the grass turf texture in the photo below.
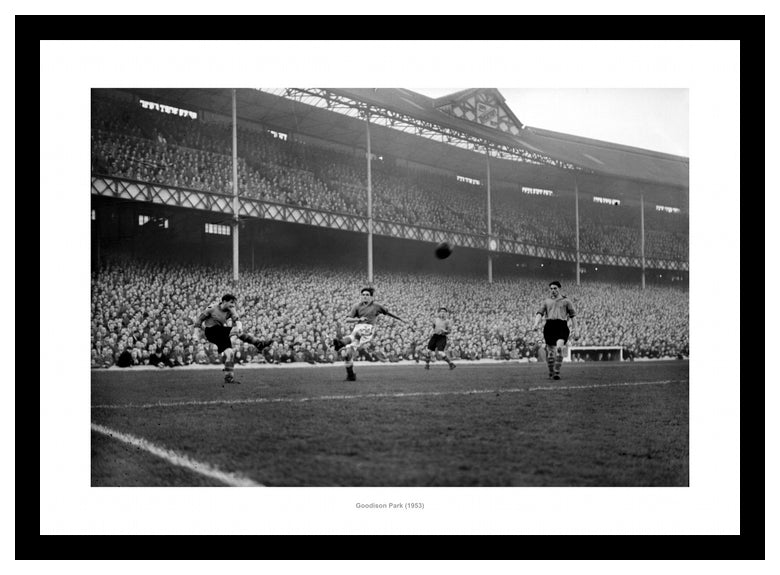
(611, 424)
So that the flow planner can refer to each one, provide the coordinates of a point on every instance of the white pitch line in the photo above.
(257, 400)
(179, 459)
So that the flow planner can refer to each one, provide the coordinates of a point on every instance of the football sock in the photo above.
(256, 341)
(558, 359)
(551, 358)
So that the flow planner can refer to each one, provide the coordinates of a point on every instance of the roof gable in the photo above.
(483, 106)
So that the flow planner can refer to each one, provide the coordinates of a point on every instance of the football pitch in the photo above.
(504, 424)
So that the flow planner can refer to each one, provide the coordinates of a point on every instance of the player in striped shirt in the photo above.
(215, 320)
(557, 310)
(363, 315)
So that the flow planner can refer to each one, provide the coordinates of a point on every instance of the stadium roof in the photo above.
(595, 155)
(474, 115)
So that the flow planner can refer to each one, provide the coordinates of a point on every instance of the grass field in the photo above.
(603, 424)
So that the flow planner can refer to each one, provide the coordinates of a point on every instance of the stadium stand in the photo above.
(142, 310)
(137, 144)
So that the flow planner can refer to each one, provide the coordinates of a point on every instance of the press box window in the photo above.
(144, 220)
(218, 229)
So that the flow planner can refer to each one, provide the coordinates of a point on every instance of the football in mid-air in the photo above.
(443, 250)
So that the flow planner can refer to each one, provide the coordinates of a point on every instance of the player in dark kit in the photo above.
(217, 331)
(438, 342)
(558, 310)
(364, 316)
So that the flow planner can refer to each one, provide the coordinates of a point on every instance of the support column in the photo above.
(370, 207)
(577, 224)
(489, 228)
(235, 191)
(642, 227)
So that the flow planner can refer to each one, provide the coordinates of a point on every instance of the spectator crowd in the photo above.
(142, 313)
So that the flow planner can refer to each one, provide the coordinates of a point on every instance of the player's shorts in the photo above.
(220, 335)
(361, 335)
(437, 342)
(555, 329)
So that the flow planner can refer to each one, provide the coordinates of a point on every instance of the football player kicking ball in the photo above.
(558, 310)
(217, 331)
(438, 342)
(364, 315)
